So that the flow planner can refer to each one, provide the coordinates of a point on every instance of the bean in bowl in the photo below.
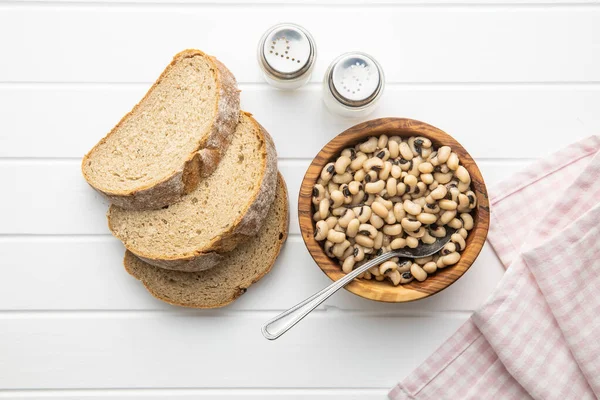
(388, 193)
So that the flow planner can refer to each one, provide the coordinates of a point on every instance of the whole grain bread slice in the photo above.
(238, 270)
(172, 138)
(223, 211)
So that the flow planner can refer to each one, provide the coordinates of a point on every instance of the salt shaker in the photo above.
(353, 85)
(286, 55)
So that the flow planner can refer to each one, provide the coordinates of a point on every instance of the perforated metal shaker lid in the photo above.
(355, 79)
(287, 51)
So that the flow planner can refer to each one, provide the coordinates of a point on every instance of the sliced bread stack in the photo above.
(196, 197)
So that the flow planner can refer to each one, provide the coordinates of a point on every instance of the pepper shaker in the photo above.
(353, 85)
(286, 55)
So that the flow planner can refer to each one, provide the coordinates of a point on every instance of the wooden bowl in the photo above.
(385, 291)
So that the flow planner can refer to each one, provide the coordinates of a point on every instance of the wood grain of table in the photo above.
(512, 81)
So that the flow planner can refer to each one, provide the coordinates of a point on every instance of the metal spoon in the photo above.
(287, 319)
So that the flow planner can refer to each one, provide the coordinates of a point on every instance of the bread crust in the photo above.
(245, 226)
(200, 163)
(284, 228)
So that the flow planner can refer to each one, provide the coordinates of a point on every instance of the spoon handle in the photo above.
(287, 319)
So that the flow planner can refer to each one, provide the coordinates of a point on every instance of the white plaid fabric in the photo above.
(539, 334)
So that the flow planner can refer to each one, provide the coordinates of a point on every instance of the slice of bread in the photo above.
(223, 211)
(221, 285)
(172, 138)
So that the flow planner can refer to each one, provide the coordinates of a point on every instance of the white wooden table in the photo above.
(511, 81)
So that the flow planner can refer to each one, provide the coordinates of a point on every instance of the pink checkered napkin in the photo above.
(539, 334)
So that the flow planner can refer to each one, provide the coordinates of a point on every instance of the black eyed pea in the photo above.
(390, 219)
(430, 267)
(453, 194)
(439, 192)
(414, 169)
(386, 241)
(338, 212)
(394, 277)
(368, 250)
(328, 247)
(394, 148)
(354, 187)
(442, 178)
(406, 277)
(399, 212)
(360, 175)
(364, 241)
(384, 154)
(373, 163)
(426, 143)
(359, 252)
(443, 168)
(420, 189)
(418, 272)
(411, 207)
(405, 165)
(375, 187)
(455, 223)
(392, 230)
(352, 229)
(398, 243)
(357, 163)
(405, 151)
(335, 236)
(331, 222)
(416, 148)
(349, 152)
(451, 259)
(341, 164)
(368, 276)
(379, 209)
(417, 234)
(391, 186)
(321, 230)
(318, 194)
(463, 175)
(337, 199)
(433, 159)
(404, 265)
(349, 252)
(440, 263)
(426, 168)
(463, 232)
(346, 218)
(427, 238)
(346, 192)
(427, 179)
(376, 221)
(406, 196)
(346, 177)
(448, 248)
(429, 200)
(380, 278)
(472, 199)
(382, 141)
(367, 230)
(410, 225)
(463, 202)
(447, 216)
(426, 219)
(388, 266)
(332, 187)
(452, 162)
(362, 213)
(369, 146)
(400, 189)
(437, 231)
(368, 199)
(324, 208)
(443, 154)
(339, 249)
(412, 242)
(374, 271)
(317, 216)
(396, 172)
(423, 260)
(385, 172)
(447, 204)
(425, 153)
(458, 241)
(358, 198)
(387, 203)
(328, 172)
(434, 185)
(348, 264)
(463, 187)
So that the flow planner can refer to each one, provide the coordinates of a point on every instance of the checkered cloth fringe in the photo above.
(538, 336)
